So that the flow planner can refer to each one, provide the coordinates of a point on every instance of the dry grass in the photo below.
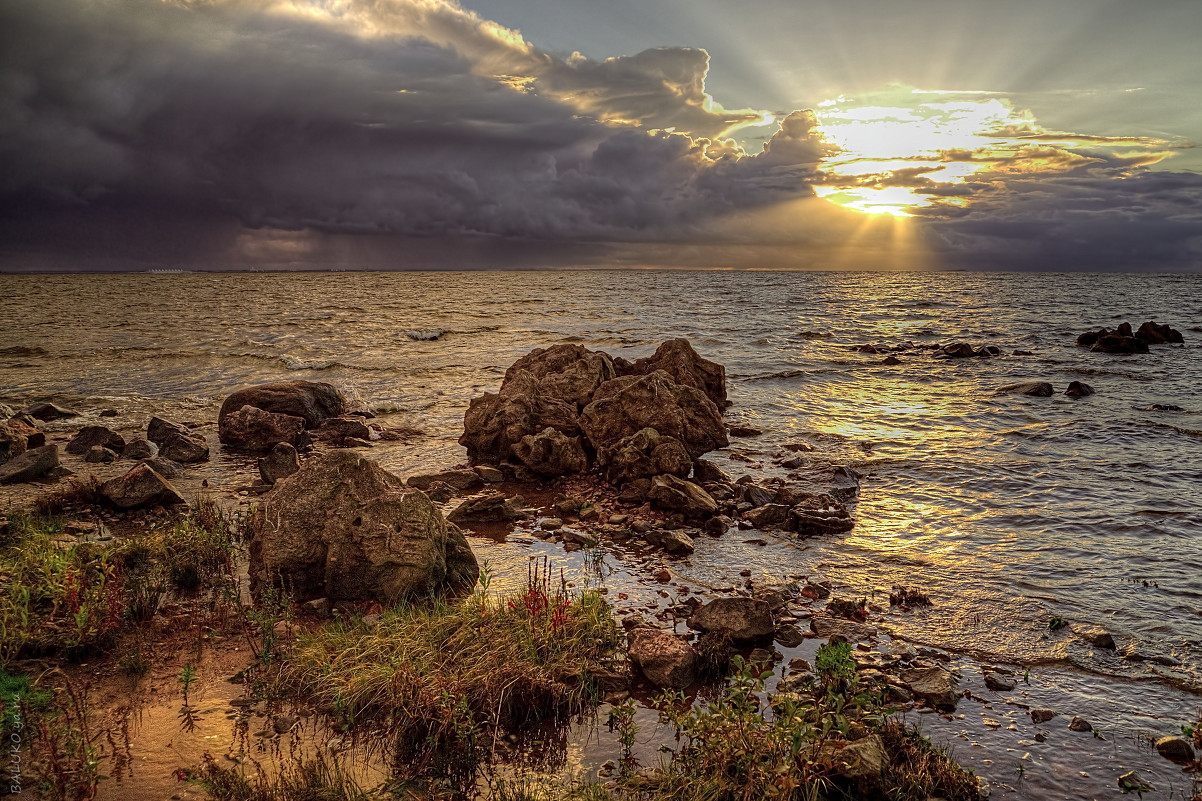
(440, 678)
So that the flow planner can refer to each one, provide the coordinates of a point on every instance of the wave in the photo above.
(19, 350)
(425, 334)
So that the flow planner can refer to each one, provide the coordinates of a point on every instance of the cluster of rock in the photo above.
(342, 528)
(24, 454)
(1124, 340)
(669, 660)
(954, 350)
(1043, 389)
(256, 419)
(644, 426)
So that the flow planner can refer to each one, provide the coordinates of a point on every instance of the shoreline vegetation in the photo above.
(348, 600)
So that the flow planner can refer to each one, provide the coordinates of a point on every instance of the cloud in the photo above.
(416, 133)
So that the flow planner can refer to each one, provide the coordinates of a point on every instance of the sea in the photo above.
(1007, 510)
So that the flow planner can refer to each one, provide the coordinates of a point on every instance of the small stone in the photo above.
(140, 448)
(1000, 681)
(282, 724)
(98, 454)
(489, 474)
(1079, 724)
(1177, 749)
(551, 524)
(1097, 637)
(1132, 782)
(1041, 715)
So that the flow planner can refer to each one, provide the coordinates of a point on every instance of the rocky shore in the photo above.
(584, 451)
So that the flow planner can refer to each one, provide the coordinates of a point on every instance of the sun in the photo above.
(895, 144)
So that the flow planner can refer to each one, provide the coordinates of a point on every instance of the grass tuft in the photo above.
(439, 677)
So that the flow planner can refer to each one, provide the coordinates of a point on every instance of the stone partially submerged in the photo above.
(344, 528)
(313, 402)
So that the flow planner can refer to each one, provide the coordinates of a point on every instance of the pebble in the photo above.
(1079, 724)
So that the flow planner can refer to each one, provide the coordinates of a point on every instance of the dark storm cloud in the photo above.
(387, 132)
(1090, 218)
(353, 122)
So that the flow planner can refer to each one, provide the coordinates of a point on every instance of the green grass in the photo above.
(440, 677)
(737, 748)
(72, 601)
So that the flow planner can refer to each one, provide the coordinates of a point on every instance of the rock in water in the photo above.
(98, 454)
(934, 685)
(1113, 343)
(91, 436)
(743, 619)
(491, 508)
(1038, 389)
(677, 358)
(625, 406)
(341, 428)
(457, 480)
(255, 430)
(1078, 389)
(493, 424)
(31, 464)
(1155, 334)
(550, 453)
(1177, 749)
(164, 467)
(160, 430)
(177, 442)
(679, 495)
(310, 401)
(48, 411)
(668, 661)
(141, 487)
(280, 462)
(344, 528)
(140, 449)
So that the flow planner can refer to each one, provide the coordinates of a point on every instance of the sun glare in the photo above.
(889, 150)
(901, 148)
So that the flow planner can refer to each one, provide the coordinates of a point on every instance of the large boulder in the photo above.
(642, 455)
(311, 401)
(568, 373)
(550, 453)
(494, 423)
(740, 619)
(625, 406)
(667, 660)
(344, 528)
(255, 430)
(141, 487)
(91, 436)
(679, 495)
(31, 464)
(677, 358)
(12, 442)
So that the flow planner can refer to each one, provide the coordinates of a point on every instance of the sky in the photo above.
(415, 134)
